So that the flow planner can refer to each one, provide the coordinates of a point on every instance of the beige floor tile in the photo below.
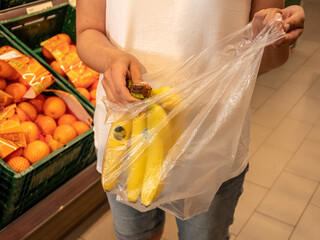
(267, 164)
(306, 110)
(306, 162)
(289, 134)
(170, 228)
(308, 226)
(314, 90)
(261, 227)
(305, 75)
(270, 113)
(314, 133)
(258, 135)
(308, 47)
(297, 59)
(101, 229)
(290, 92)
(274, 79)
(287, 198)
(249, 200)
(316, 197)
(313, 61)
(260, 95)
(96, 226)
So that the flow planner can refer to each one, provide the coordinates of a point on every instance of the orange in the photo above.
(85, 80)
(16, 90)
(93, 93)
(84, 92)
(47, 54)
(16, 153)
(3, 83)
(64, 133)
(18, 164)
(5, 98)
(56, 66)
(28, 109)
(93, 101)
(94, 85)
(68, 119)
(46, 124)
(36, 150)
(21, 115)
(64, 37)
(73, 48)
(38, 102)
(54, 107)
(7, 71)
(31, 131)
(53, 144)
(81, 127)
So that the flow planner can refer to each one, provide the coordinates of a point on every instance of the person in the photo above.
(125, 38)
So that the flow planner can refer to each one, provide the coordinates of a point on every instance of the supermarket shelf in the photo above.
(60, 211)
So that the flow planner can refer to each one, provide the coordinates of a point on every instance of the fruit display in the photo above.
(139, 145)
(61, 53)
(21, 76)
(32, 129)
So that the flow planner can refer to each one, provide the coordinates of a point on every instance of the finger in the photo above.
(109, 95)
(262, 18)
(107, 83)
(257, 21)
(135, 71)
(271, 15)
(290, 38)
(295, 21)
(120, 87)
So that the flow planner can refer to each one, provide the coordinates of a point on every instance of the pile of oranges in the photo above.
(87, 85)
(48, 125)
(20, 73)
(90, 93)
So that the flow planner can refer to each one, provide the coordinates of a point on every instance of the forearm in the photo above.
(95, 50)
(273, 57)
(93, 46)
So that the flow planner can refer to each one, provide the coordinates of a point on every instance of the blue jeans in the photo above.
(130, 224)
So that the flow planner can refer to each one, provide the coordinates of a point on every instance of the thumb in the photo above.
(135, 72)
(293, 22)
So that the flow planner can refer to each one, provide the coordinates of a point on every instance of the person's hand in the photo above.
(262, 18)
(293, 17)
(114, 82)
(293, 23)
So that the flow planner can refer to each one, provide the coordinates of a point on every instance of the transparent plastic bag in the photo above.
(174, 149)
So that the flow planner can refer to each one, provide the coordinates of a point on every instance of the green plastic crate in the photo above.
(20, 191)
(13, 3)
(30, 30)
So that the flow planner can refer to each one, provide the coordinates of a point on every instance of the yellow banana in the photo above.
(139, 158)
(170, 101)
(115, 151)
(156, 154)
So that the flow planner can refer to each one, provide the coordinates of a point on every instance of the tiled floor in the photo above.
(281, 198)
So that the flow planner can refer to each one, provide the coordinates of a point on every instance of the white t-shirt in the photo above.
(160, 32)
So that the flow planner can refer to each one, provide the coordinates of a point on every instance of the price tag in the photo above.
(39, 7)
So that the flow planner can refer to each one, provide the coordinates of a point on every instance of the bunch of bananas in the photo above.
(141, 145)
